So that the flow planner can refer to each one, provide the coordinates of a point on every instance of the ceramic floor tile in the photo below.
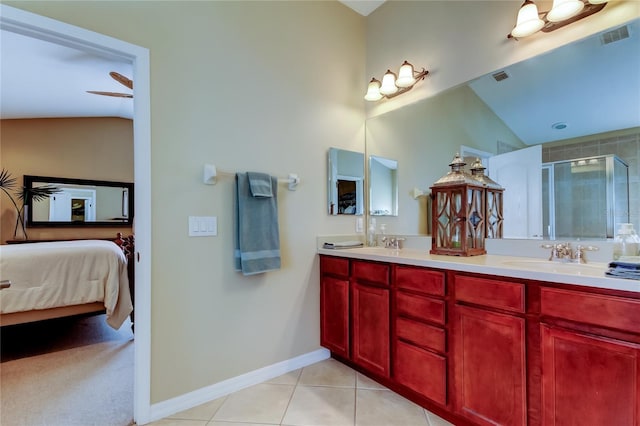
(363, 382)
(263, 403)
(321, 406)
(290, 378)
(436, 420)
(328, 373)
(178, 422)
(383, 407)
(216, 423)
(201, 412)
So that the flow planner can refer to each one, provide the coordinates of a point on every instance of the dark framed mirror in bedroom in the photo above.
(79, 202)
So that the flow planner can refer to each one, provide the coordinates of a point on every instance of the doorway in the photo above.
(32, 25)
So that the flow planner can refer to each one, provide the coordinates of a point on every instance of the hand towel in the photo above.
(343, 244)
(257, 231)
(260, 184)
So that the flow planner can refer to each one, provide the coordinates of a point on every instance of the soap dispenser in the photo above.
(626, 242)
(371, 235)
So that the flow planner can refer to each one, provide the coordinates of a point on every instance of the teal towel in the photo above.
(257, 232)
(260, 184)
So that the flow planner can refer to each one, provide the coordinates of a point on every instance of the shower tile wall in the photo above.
(627, 147)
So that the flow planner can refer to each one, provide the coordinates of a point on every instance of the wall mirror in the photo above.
(80, 202)
(383, 186)
(345, 187)
(546, 108)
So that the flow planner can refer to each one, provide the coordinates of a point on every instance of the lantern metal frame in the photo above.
(458, 213)
(493, 194)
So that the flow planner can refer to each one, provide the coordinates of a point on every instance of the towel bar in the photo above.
(210, 177)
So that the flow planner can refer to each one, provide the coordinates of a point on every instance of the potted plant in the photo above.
(9, 186)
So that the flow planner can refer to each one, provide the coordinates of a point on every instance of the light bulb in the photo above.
(373, 91)
(564, 9)
(528, 21)
(388, 86)
(405, 75)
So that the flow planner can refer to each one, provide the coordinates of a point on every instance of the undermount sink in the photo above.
(559, 267)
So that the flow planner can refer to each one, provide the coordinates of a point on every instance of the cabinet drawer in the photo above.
(420, 307)
(597, 309)
(426, 336)
(492, 293)
(420, 279)
(334, 266)
(422, 371)
(375, 273)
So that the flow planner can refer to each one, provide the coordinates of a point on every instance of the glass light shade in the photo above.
(405, 75)
(528, 22)
(598, 1)
(388, 86)
(373, 91)
(564, 9)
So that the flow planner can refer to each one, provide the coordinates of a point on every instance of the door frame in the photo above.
(44, 28)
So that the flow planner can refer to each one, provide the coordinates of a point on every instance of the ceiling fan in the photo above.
(120, 79)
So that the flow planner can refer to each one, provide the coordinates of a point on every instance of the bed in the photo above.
(63, 278)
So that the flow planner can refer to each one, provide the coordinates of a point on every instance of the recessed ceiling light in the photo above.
(559, 126)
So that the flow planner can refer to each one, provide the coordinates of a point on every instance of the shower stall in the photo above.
(584, 197)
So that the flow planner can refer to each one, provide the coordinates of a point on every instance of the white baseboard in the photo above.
(193, 399)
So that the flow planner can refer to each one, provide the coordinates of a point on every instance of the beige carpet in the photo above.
(66, 372)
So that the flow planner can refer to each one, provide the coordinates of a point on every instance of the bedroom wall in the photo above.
(82, 148)
(264, 86)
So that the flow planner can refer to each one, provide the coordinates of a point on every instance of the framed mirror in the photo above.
(345, 188)
(383, 186)
(80, 203)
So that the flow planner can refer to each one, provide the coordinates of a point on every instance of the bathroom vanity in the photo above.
(487, 340)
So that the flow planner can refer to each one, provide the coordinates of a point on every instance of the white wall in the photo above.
(264, 86)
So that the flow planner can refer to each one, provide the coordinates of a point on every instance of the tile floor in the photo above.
(327, 393)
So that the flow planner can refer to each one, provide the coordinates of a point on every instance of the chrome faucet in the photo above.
(392, 242)
(564, 252)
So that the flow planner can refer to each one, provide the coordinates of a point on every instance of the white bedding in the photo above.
(65, 273)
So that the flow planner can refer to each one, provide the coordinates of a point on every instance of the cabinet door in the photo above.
(589, 380)
(489, 367)
(334, 315)
(423, 371)
(371, 328)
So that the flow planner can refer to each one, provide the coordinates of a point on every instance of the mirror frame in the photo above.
(29, 180)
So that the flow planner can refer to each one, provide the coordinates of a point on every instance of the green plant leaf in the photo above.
(38, 193)
(7, 182)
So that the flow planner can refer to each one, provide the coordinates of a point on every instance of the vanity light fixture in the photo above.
(393, 85)
(563, 12)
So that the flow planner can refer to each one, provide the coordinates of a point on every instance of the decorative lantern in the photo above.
(458, 213)
(493, 201)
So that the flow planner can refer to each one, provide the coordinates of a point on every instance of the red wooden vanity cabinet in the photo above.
(487, 350)
(370, 316)
(334, 305)
(489, 355)
(419, 335)
(354, 312)
(590, 358)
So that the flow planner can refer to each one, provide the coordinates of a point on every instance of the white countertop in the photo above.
(590, 274)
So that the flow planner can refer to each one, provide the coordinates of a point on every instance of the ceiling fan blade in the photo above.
(114, 94)
(122, 79)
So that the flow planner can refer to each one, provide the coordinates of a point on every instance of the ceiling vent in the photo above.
(501, 75)
(615, 35)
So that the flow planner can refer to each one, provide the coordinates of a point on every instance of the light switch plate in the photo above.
(203, 226)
